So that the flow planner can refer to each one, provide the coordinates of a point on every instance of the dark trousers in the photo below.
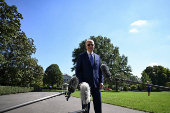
(97, 103)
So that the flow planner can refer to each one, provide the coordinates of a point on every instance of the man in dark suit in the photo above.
(88, 70)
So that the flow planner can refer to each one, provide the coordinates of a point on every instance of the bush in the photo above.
(6, 90)
(37, 88)
(125, 88)
(133, 87)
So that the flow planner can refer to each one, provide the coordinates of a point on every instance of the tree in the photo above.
(133, 78)
(158, 75)
(31, 73)
(16, 65)
(145, 77)
(109, 55)
(53, 76)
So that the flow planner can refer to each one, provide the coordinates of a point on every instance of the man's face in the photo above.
(90, 46)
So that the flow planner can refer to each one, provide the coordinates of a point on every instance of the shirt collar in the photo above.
(89, 53)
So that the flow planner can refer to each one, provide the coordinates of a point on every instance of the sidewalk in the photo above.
(57, 104)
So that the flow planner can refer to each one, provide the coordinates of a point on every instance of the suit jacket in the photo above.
(86, 73)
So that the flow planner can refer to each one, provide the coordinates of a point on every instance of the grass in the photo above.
(158, 102)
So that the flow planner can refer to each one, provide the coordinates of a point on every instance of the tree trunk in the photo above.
(116, 86)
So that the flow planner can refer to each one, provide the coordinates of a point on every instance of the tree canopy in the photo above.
(157, 74)
(109, 55)
(16, 65)
(53, 76)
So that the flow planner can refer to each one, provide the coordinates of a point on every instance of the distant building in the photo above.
(66, 78)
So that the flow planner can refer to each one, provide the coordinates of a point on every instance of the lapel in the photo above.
(94, 58)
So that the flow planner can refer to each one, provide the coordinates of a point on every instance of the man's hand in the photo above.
(101, 85)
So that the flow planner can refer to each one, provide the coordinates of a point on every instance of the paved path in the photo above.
(56, 104)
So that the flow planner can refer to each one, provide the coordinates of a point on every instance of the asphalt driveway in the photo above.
(57, 104)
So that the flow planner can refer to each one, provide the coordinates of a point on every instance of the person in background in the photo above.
(88, 70)
(148, 88)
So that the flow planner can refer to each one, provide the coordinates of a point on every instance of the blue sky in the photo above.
(140, 28)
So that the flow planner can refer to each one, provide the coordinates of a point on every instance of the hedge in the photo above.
(5, 90)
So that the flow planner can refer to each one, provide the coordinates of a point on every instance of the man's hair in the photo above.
(89, 40)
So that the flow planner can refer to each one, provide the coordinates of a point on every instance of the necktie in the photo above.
(91, 60)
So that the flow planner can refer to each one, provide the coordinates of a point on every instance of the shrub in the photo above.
(125, 88)
(6, 90)
(133, 87)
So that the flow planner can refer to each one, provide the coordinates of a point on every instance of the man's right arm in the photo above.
(79, 69)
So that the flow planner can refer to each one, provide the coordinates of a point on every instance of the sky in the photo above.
(140, 28)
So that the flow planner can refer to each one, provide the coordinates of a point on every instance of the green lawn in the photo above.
(158, 102)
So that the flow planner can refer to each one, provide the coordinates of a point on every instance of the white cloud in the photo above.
(134, 30)
(153, 64)
(138, 23)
